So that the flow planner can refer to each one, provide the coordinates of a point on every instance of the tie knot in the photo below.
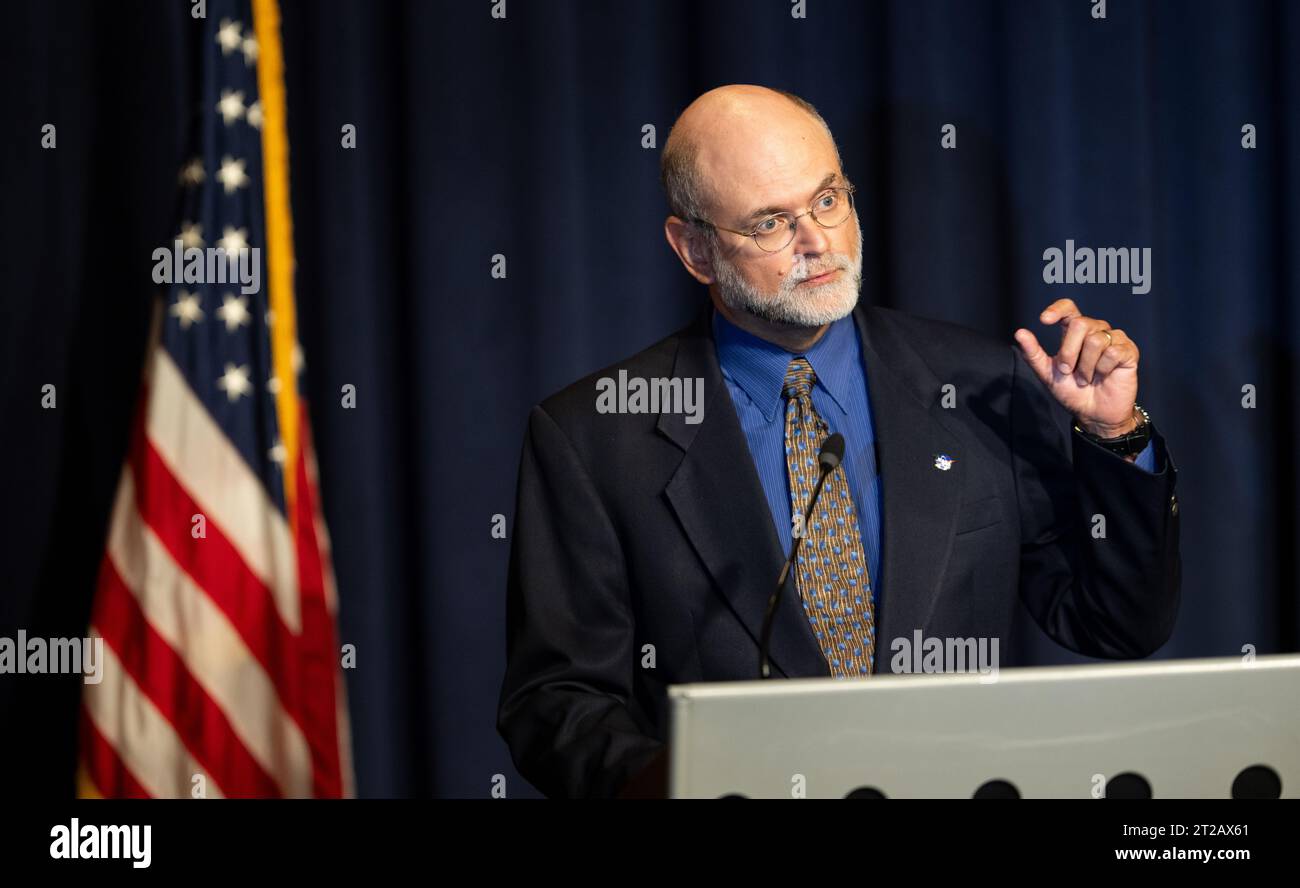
(799, 379)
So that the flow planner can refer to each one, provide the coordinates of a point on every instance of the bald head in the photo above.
(737, 140)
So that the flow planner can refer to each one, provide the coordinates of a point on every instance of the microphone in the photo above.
(830, 456)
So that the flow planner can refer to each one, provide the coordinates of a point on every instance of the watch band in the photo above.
(1129, 444)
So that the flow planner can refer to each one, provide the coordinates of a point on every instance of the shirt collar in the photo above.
(758, 366)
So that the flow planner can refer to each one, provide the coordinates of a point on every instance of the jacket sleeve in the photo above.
(1100, 569)
(566, 708)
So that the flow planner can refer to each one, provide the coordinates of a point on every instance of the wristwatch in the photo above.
(1127, 445)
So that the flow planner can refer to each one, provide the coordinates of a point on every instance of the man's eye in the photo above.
(827, 200)
(767, 226)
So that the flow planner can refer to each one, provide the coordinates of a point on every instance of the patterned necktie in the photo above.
(831, 569)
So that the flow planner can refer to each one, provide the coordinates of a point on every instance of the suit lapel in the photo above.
(920, 500)
(718, 498)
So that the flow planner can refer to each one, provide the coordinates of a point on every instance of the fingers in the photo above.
(1076, 331)
(1038, 360)
(1060, 310)
(1089, 348)
(1094, 344)
(1122, 352)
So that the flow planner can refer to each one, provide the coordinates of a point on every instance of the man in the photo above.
(646, 545)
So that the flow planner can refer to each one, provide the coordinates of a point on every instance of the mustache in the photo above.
(839, 262)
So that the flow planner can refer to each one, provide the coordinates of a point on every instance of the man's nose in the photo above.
(810, 239)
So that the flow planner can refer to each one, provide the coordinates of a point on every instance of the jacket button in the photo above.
(1173, 505)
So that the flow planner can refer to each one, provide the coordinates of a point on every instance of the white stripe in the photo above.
(145, 741)
(215, 474)
(210, 646)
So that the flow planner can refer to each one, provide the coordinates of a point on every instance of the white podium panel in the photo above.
(1188, 728)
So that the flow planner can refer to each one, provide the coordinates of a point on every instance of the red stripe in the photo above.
(112, 778)
(304, 670)
(164, 678)
(219, 570)
(319, 651)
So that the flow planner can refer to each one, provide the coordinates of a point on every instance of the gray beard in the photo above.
(790, 305)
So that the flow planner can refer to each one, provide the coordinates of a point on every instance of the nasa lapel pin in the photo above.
(943, 462)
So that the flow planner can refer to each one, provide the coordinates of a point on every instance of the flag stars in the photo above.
(233, 240)
(191, 235)
(229, 37)
(234, 382)
(186, 309)
(192, 173)
(231, 106)
(233, 311)
(231, 175)
(278, 453)
(254, 116)
(249, 47)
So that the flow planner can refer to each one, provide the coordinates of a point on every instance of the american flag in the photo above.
(215, 596)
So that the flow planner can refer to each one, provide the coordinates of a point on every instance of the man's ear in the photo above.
(688, 243)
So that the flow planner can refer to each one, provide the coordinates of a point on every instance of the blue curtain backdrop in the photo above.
(522, 136)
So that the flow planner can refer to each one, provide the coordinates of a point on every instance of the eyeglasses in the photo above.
(774, 233)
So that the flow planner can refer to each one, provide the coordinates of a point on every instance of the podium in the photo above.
(1208, 728)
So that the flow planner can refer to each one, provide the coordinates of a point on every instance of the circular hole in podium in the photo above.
(997, 789)
(734, 795)
(1128, 786)
(1257, 782)
(865, 792)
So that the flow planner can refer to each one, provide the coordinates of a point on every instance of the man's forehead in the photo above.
(767, 168)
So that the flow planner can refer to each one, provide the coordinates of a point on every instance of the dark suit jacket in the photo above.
(638, 530)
